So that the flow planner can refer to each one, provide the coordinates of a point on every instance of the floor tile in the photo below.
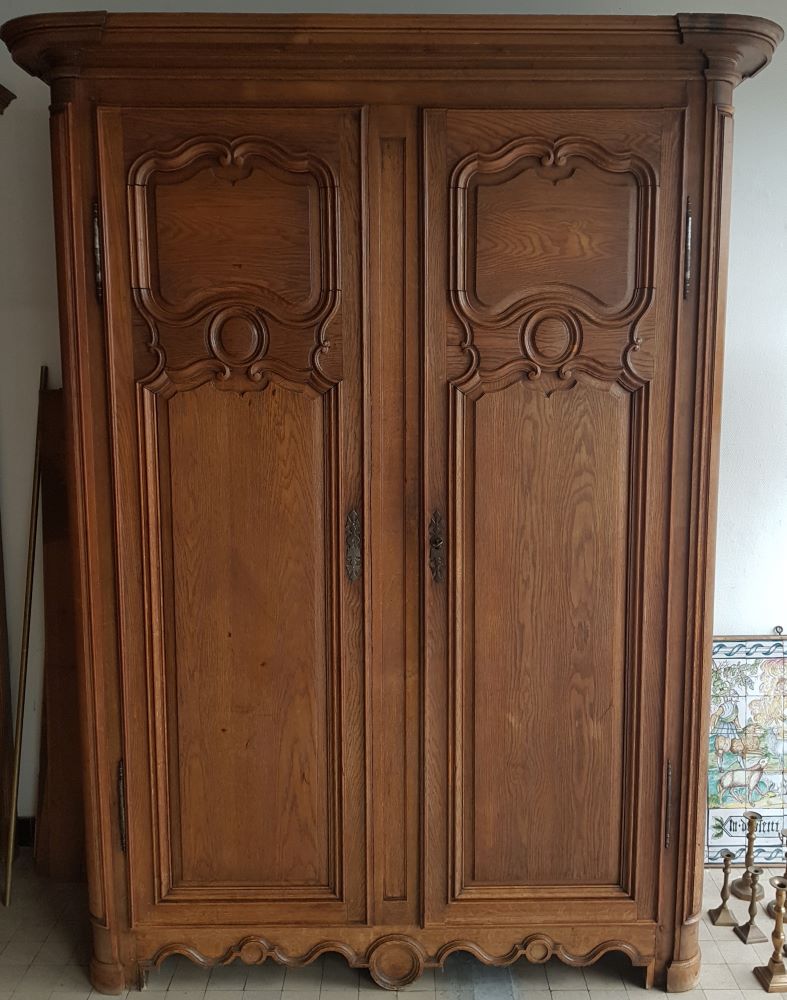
(564, 977)
(306, 978)
(602, 978)
(189, 977)
(528, 978)
(717, 977)
(43, 977)
(10, 976)
(744, 977)
(70, 978)
(20, 952)
(268, 976)
(491, 983)
(337, 976)
(456, 973)
(425, 983)
(734, 951)
(224, 978)
(711, 953)
(33, 931)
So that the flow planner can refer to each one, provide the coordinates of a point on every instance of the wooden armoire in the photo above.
(392, 352)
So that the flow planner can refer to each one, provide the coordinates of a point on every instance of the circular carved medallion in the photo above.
(236, 336)
(538, 950)
(395, 962)
(551, 337)
(252, 952)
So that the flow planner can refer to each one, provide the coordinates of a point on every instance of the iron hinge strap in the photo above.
(668, 807)
(687, 250)
(122, 805)
(98, 255)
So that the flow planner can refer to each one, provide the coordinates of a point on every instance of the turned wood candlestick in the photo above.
(741, 887)
(721, 915)
(773, 976)
(771, 907)
(749, 932)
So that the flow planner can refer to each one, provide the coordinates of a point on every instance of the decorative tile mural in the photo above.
(747, 763)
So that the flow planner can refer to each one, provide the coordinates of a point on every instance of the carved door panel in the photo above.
(232, 294)
(550, 346)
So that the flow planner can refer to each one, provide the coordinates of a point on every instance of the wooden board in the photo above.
(60, 827)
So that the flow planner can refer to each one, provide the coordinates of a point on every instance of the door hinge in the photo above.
(98, 257)
(668, 807)
(122, 805)
(687, 250)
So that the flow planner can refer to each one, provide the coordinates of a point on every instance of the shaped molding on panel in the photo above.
(554, 243)
(231, 241)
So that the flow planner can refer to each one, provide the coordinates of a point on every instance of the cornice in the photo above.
(53, 46)
(736, 46)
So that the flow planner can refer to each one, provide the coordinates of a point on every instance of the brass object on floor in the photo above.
(773, 976)
(741, 887)
(771, 907)
(721, 916)
(749, 932)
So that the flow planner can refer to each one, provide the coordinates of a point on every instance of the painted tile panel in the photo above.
(747, 748)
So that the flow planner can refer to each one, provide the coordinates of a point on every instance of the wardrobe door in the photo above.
(232, 292)
(553, 242)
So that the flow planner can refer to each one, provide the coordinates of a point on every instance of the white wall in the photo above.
(751, 584)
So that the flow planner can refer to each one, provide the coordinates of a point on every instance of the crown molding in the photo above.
(53, 46)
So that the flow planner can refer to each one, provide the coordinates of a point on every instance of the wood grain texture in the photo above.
(544, 691)
(250, 682)
(400, 267)
(260, 230)
(533, 228)
(394, 454)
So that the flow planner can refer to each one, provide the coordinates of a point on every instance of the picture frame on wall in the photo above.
(747, 746)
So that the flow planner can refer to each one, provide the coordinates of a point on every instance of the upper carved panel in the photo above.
(554, 240)
(231, 241)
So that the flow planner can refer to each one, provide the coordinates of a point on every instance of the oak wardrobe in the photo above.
(392, 354)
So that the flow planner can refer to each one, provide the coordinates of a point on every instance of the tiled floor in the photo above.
(43, 952)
